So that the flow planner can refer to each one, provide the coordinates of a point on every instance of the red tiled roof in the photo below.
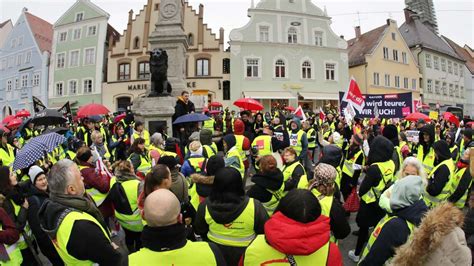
(365, 44)
(461, 52)
(42, 31)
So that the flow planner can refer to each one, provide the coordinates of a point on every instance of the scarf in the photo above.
(164, 238)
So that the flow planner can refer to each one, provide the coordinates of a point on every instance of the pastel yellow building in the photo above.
(382, 63)
(207, 68)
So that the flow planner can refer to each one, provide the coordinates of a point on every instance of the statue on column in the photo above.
(159, 73)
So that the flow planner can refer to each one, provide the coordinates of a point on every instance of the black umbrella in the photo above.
(49, 117)
(59, 130)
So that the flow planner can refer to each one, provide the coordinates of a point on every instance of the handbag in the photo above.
(352, 203)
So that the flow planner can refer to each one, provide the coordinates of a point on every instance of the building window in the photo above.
(451, 90)
(445, 88)
(252, 67)
(60, 60)
(73, 87)
(19, 59)
(385, 53)
(394, 36)
(190, 39)
(202, 67)
(461, 71)
(387, 80)
(450, 67)
(63, 36)
(59, 89)
(28, 57)
(404, 58)
(436, 62)
(428, 60)
(318, 38)
(461, 92)
(89, 56)
(443, 64)
(376, 79)
(13, 43)
(226, 66)
(3, 65)
(88, 86)
(11, 61)
(9, 85)
(397, 81)
(143, 70)
(455, 69)
(226, 90)
(413, 84)
(20, 41)
(437, 87)
(74, 59)
(456, 91)
(306, 70)
(124, 71)
(330, 71)
(429, 85)
(264, 33)
(24, 80)
(77, 34)
(136, 43)
(91, 30)
(405, 83)
(292, 35)
(395, 55)
(280, 69)
(79, 17)
(36, 80)
(17, 83)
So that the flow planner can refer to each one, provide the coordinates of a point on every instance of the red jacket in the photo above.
(8, 235)
(92, 179)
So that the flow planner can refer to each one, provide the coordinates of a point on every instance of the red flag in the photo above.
(300, 113)
(322, 115)
(355, 96)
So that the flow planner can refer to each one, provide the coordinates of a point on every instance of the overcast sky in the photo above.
(455, 17)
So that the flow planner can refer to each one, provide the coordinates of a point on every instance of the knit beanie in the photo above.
(34, 172)
(239, 127)
(214, 164)
(324, 174)
(169, 161)
(195, 148)
(300, 205)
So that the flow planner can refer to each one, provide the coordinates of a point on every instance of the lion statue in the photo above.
(159, 70)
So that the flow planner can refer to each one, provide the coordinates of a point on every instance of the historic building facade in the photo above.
(382, 63)
(24, 60)
(207, 63)
(79, 59)
(5, 28)
(287, 54)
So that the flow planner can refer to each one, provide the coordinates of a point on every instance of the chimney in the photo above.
(410, 15)
(357, 31)
(221, 35)
(201, 11)
(130, 16)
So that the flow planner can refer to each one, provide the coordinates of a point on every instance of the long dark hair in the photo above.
(134, 148)
(227, 187)
(5, 184)
(155, 178)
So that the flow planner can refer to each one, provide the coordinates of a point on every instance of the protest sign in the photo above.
(388, 105)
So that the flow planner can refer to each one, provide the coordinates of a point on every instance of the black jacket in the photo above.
(182, 108)
(263, 184)
(462, 187)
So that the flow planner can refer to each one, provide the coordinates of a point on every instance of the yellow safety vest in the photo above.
(64, 233)
(375, 234)
(429, 159)
(295, 141)
(288, 170)
(311, 145)
(14, 253)
(261, 253)
(350, 163)
(387, 170)
(21, 242)
(277, 195)
(448, 189)
(193, 253)
(303, 183)
(145, 164)
(326, 205)
(338, 176)
(400, 158)
(95, 194)
(238, 233)
(452, 150)
(7, 157)
(210, 151)
(146, 137)
(263, 144)
(239, 143)
(198, 163)
(234, 152)
(71, 155)
(194, 196)
(209, 124)
(457, 179)
(131, 222)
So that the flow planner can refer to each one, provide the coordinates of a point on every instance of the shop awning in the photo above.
(319, 96)
(269, 95)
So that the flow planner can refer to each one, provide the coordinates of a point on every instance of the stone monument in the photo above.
(168, 36)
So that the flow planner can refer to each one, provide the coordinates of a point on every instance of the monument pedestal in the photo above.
(155, 113)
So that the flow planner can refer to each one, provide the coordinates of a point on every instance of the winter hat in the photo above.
(468, 133)
(239, 127)
(195, 148)
(34, 172)
(406, 191)
(300, 205)
(194, 136)
(214, 164)
(227, 181)
(358, 139)
(205, 136)
(324, 174)
(230, 140)
(169, 161)
(441, 148)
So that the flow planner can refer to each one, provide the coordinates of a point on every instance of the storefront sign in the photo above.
(138, 87)
(292, 86)
(385, 105)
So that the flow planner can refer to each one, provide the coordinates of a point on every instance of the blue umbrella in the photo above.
(36, 149)
(191, 118)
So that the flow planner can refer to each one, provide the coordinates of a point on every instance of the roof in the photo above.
(112, 32)
(41, 30)
(365, 44)
(416, 33)
(461, 52)
(5, 23)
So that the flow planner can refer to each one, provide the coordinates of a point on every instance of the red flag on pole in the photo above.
(354, 96)
(300, 113)
(322, 115)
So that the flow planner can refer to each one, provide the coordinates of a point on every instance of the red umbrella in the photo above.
(14, 123)
(119, 118)
(450, 117)
(4, 129)
(7, 119)
(249, 104)
(215, 104)
(92, 109)
(290, 108)
(214, 112)
(417, 116)
(23, 113)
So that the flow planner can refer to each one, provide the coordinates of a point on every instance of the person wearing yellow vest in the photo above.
(179, 184)
(209, 124)
(27, 133)
(391, 133)
(7, 154)
(311, 135)
(209, 147)
(332, 155)
(9, 236)
(462, 181)
(140, 132)
(125, 187)
(243, 142)
(139, 157)
(425, 151)
(297, 220)
(268, 186)
(440, 180)
(298, 139)
(395, 229)
(264, 144)
(164, 237)
(378, 178)
(84, 132)
(404, 145)
(119, 144)
(73, 222)
(196, 163)
(99, 145)
(453, 148)
(292, 170)
(323, 186)
(258, 124)
(97, 184)
(228, 218)
(232, 155)
(354, 161)
(466, 140)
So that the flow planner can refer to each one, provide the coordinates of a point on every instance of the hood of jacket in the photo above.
(430, 130)
(381, 150)
(435, 226)
(239, 127)
(230, 141)
(51, 215)
(413, 213)
(205, 136)
(332, 155)
(291, 237)
(226, 212)
(296, 121)
(272, 181)
(391, 133)
(441, 149)
(202, 179)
